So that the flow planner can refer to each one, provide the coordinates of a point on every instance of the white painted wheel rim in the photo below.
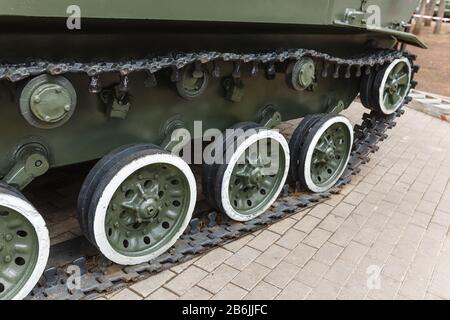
(100, 235)
(32, 215)
(383, 108)
(226, 202)
(307, 170)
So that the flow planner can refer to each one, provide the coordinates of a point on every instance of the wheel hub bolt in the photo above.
(8, 237)
(7, 259)
(330, 153)
(116, 225)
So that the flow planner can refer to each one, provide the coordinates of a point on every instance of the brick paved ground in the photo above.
(394, 218)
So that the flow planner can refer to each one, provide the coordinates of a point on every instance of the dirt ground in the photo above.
(434, 74)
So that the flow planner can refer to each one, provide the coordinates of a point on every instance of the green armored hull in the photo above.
(88, 80)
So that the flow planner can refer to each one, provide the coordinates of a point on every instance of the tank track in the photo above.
(210, 229)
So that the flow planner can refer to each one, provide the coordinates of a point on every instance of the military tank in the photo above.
(126, 86)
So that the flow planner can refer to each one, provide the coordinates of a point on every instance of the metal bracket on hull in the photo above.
(117, 102)
(270, 117)
(170, 140)
(31, 162)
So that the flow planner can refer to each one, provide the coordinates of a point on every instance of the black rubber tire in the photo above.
(96, 174)
(218, 178)
(296, 142)
(209, 171)
(376, 89)
(308, 140)
(366, 90)
(126, 156)
(6, 188)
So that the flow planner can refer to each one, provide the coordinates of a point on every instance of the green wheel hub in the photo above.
(18, 252)
(147, 210)
(253, 184)
(396, 86)
(329, 157)
(193, 83)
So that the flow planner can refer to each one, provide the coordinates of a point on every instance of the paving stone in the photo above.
(230, 292)
(414, 287)
(283, 226)
(377, 221)
(442, 218)
(126, 294)
(343, 236)
(381, 250)
(307, 224)
(263, 291)
(394, 197)
(365, 209)
(186, 280)
(440, 286)
(212, 259)
(321, 210)
(317, 238)
(183, 266)
(236, 245)
(325, 290)
(343, 210)
(353, 252)
(250, 276)
(196, 293)
(388, 289)
(372, 178)
(282, 274)
(340, 271)
(272, 256)
(300, 255)
(357, 286)
(242, 258)
(354, 222)
(331, 223)
(419, 187)
(335, 200)
(420, 219)
(385, 208)
(294, 291)
(426, 207)
(328, 253)
(264, 240)
(354, 198)
(162, 294)
(374, 197)
(147, 286)
(390, 177)
(364, 187)
(395, 268)
(432, 196)
(312, 273)
(352, 292)
(291, 239)
(219, 278)
(383, 187)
